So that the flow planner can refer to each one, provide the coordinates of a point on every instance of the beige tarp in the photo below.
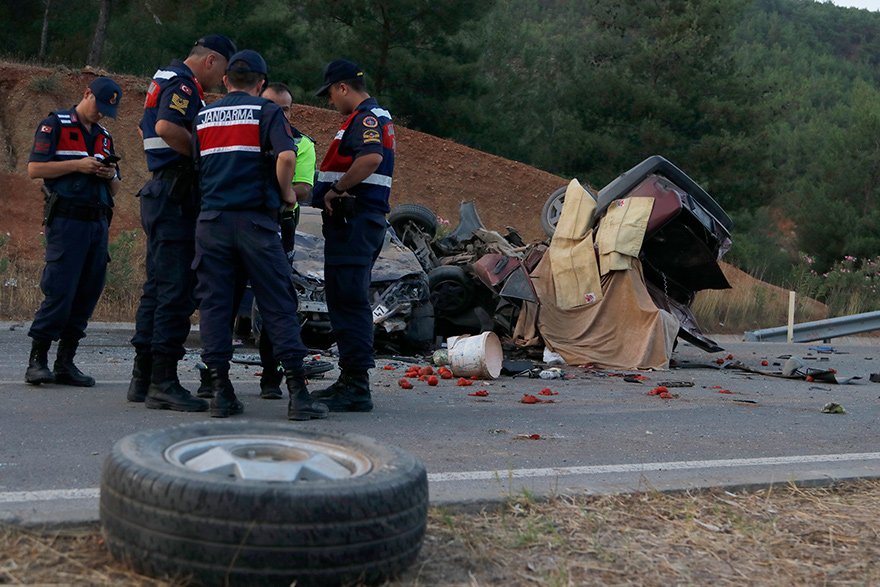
(621, 233)
(571, 254)
(625, 330)
(609, 321)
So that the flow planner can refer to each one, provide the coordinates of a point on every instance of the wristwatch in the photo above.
(333, 188)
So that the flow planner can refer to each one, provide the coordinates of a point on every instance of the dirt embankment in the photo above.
(430, 171)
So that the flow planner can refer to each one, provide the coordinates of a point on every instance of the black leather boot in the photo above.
(301, 406)
(224, 403)
(140, 377)
(350, 393)
(66, 373)
(270, 383)
(205, 390)
(38, 363)
(166, 392)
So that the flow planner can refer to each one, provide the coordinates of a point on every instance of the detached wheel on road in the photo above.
(552, 210)
(258, 503)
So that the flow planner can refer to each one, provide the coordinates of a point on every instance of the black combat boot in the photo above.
(205, 390)
(38, 363)
(224, 403)
(140, 377)
(166, 392)
(350, 393)
(301, 406)
(66, 373)
(270, 383)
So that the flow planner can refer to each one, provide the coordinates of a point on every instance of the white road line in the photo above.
(648, 467)
(49, 495)
(94, 493)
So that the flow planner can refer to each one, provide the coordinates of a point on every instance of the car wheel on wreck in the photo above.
(408, 216)
(452, 291)
(552, 210)
(258, 503)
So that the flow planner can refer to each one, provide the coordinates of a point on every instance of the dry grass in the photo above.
(778, 536)
(750, 304)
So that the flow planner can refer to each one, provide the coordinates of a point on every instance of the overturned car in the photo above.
(649, 241)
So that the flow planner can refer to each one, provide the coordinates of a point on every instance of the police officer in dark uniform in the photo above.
(246, 158)
(73, 154)
(353, 189)
(169, 206)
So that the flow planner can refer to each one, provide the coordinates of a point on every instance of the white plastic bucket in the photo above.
(479, 356)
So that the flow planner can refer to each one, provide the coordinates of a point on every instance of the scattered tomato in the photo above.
(405, 384)
(426, 371)
(810, 378)
(534, 437)
(389, 367)
(432, 380)
(529, 399)
(462, 382)
(765, 363)
(480, 393)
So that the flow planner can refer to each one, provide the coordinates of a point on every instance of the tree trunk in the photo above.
(44, 34)
(97, 47)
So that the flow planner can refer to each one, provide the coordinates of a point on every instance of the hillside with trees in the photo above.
(772, 105)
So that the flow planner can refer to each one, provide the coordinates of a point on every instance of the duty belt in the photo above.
(79, 212)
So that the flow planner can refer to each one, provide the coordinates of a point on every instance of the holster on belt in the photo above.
(183, 183)
(50, 203)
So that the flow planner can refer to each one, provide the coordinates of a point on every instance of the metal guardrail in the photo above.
(820, 329)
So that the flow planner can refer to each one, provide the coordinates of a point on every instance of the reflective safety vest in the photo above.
(158, 153)
(71, 145)
(373, 192)
(235, 172)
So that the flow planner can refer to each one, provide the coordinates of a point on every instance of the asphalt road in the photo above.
(600, 433)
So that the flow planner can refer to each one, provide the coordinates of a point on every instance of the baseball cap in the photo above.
(107, 95)
(339, 71)
(248, 61)
(219, 43)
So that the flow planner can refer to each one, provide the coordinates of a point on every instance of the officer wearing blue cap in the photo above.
(169, 206)
(353, 189)
(73, 154)
(246, 157)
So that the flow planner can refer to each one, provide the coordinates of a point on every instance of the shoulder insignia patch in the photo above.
(371, 122)
(179, 104)
(371, 136)
(186, 89)
(45, 128)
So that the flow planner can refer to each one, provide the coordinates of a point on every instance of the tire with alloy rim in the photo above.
(552, 210)
(259, 503)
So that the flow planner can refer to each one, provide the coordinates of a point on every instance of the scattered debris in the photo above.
(530, 399)
(480, 393)
(552, 373)
(832, 408)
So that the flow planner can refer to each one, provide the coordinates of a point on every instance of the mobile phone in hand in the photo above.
(111, 159)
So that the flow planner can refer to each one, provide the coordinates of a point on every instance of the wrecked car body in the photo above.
(651, 239)
(400, 299)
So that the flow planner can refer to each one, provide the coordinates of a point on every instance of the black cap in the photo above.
(219, 43)
(339, 71)
(248, 61)
(107, 94)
